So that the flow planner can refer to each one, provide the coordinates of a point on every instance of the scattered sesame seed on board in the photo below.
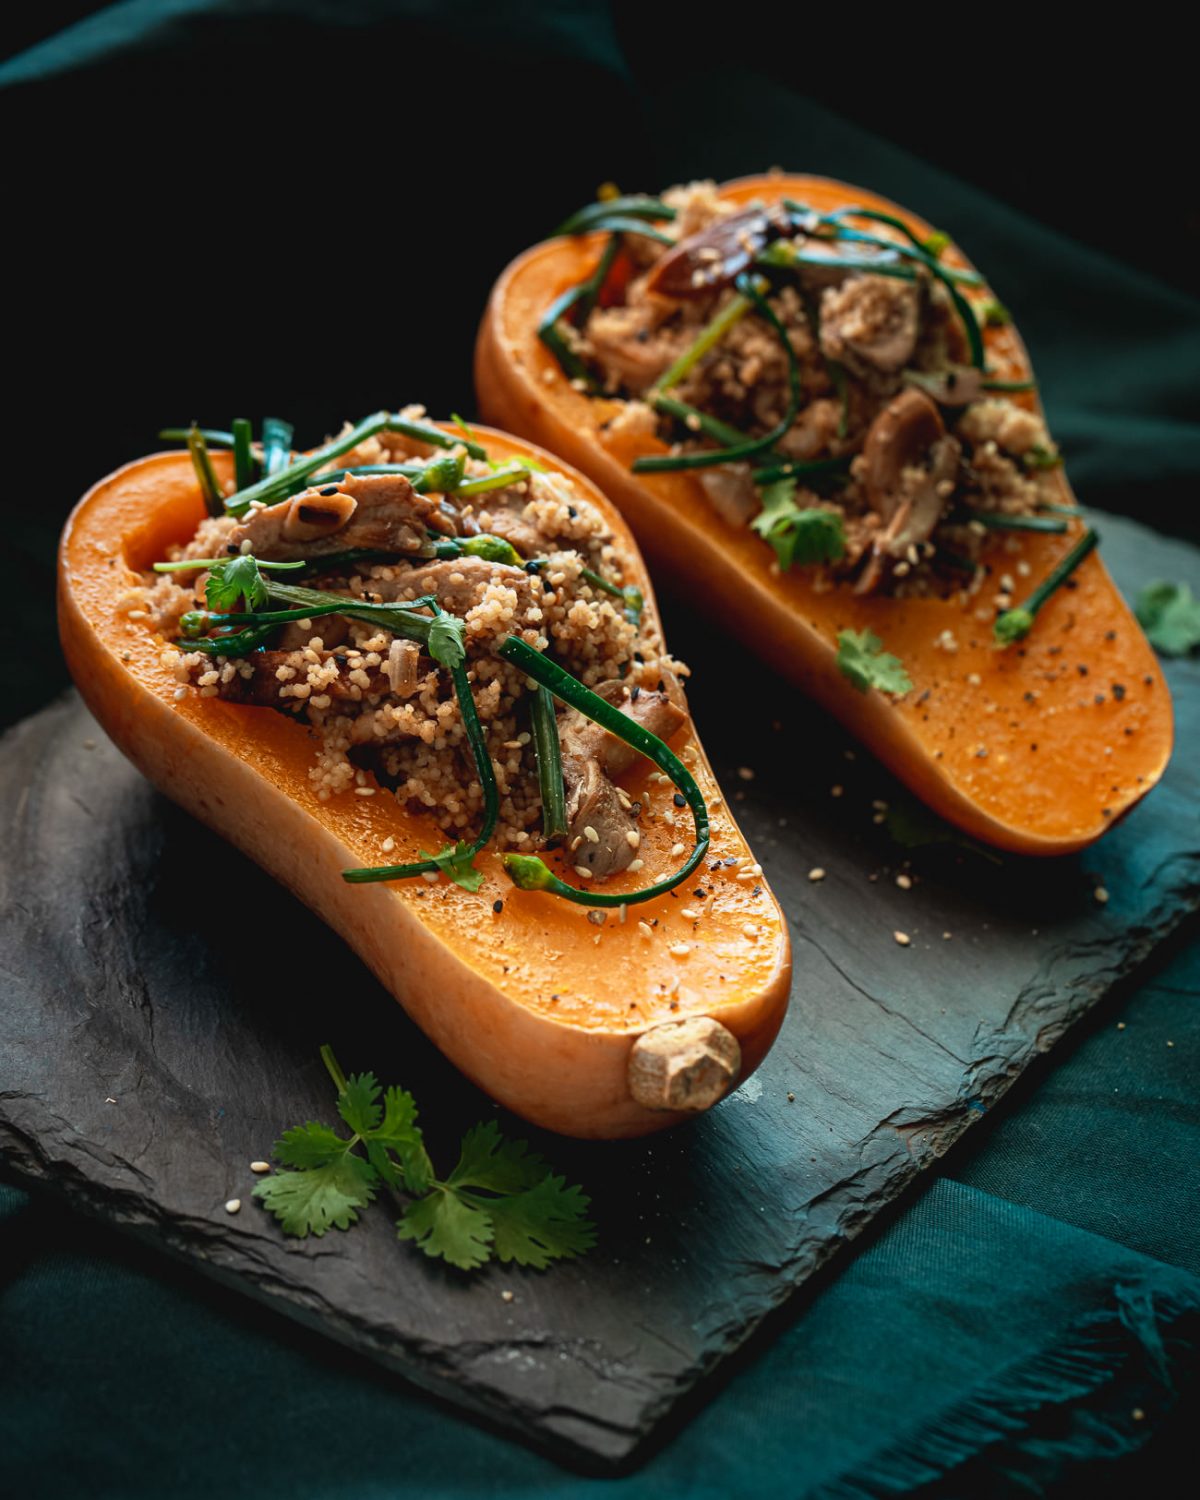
(1100, 895)
(233, 1205)
(903, 939)
(260, 1167)
(816, 874)
(904, 882)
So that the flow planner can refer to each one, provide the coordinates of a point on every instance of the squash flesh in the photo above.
(526, 1001)
(964, 740)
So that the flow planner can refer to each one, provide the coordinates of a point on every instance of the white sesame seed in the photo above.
(902, 938)
(388, 844)
(1100, 894)
(904, 882)
(583, 872)
(689, 915)
(636, 864)
(233, 1205)
(645, 929)
(591, 835)
(750, 931)
(816, 873)
(679, 950)
(633, 838)
(676, 850)
(260, 1167)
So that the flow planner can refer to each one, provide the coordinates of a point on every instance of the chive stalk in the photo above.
(996, 520)
(657, 463)
(211, 435)
(206, 478)
(710, 336)
(1015, 624)
(574, 299)
(548, 751)
(498, 480)
(530, 873)
(625, 206)
(276, 444)
(198, 564)
(243, 453)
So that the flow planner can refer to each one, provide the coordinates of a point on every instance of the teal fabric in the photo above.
(979, 1346)
(1030, 1323)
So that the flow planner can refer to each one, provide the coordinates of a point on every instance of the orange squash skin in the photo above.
(1038, 749)
(527, 1003)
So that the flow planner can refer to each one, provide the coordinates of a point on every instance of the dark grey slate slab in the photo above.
(151, 1048)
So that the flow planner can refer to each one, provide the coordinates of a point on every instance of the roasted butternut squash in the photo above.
(1038, 748)
(592, 1030)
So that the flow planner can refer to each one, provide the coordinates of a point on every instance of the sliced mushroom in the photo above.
(599, 824)
(716, 255)
(954, 386)
(374, 511)
(905, 440)
(870, 322)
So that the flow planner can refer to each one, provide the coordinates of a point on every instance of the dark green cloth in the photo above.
(1029, 1323)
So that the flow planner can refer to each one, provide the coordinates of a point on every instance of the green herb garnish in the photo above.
(1015, 624)
(501, 1200)
(798, 534)
(1170, 616)
(862, 660)
(455, 863)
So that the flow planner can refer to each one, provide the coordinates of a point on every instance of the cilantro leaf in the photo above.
(448, 640)
(358, 1103)
(311, 1201)
(232, 579)
(1170, 616)
(400, 1134)
(446, 1225)
(547, 1222)
(798, 534)
(488, 1161)
(311, 1145)
(454, 861)
(862, 660)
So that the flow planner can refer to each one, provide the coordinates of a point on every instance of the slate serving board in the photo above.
(150, 1052)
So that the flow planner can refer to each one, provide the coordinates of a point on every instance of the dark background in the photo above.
(300, 209)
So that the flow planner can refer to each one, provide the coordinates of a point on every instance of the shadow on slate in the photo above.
(166, 1001)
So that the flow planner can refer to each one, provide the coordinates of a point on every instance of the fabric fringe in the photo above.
(1095, 1394)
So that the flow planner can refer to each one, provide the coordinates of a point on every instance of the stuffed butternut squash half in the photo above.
(418, 675)
(809, 406)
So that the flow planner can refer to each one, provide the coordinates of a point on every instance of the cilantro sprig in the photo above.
(501, 1199)
(863, 661)
(803, 535)
(1170, 616)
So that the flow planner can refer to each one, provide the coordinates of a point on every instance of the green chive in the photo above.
(549, 764)
(206, 477)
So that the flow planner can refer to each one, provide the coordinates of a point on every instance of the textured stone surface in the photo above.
(164, 1002)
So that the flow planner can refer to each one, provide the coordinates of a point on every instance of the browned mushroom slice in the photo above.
(955, 386)
(714, 256)
(373, 511)
(601, 832)
(909, 467)
(870, 322)
(598, 824)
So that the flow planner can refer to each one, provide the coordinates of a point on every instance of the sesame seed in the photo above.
(679, 950)
(591, 835)
(689, 915)
(745, 773)
(1100, 895)
(677, 850)
(233, 1205)
(633, 838)
(904, 882)
(816, 873)
(902, 938)
(583, 872)
(836, 791)
(260, 1167)
(506, 1296)
(750, 931)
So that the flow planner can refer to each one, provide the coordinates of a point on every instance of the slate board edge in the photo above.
(577, 1437)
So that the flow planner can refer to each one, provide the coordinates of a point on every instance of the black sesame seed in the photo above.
(680, 800)
(330, 489)
(1118, 691)
(497, 906)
